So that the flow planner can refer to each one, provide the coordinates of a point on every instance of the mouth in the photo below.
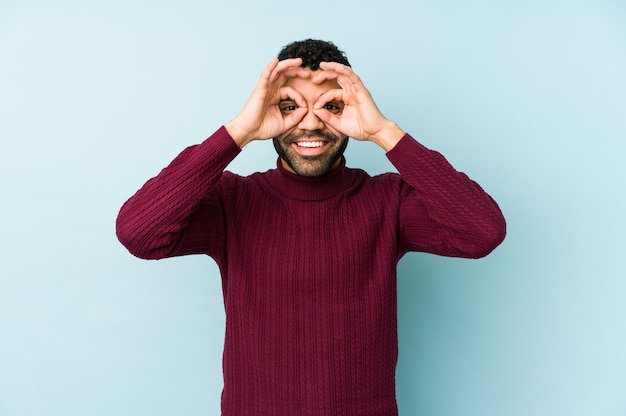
(310, 147)
(311, 144)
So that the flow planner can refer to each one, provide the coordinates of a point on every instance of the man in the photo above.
(308, 251)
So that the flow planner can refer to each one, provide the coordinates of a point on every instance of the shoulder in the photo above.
(234, 182)
(380, 178)
(388, 183)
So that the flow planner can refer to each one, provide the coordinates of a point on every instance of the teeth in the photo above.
(310, 144)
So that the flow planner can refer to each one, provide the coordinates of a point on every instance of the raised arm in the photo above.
(151, 223)
(442, 211)
(261, 118)
(178, 211)
(360, 118)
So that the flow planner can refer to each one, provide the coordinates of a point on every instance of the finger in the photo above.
(297, 72)
(343, 81)
(283, 65)
(337, 67)
(291, 72)
(328, 118)
(290, 93)
(269, 68)
(266, 74)
(336, 94)
(294, 118)
(340, 69)
(324, 76)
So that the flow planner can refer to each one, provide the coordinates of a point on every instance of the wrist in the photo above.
(239, 136)
(388, 136)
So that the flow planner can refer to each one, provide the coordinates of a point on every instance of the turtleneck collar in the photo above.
(311, 189)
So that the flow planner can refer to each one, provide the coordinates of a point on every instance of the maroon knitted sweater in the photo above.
(308, 266)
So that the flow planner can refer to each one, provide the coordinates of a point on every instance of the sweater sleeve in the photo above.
(443, 211)
(179, 211)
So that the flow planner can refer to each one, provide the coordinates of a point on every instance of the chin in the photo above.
(311, 166)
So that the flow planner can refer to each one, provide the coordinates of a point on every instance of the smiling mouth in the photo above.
(311, 144)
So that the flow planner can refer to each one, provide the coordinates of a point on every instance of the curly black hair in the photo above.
(313, 52)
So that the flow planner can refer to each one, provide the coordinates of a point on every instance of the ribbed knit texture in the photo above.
(308, 266)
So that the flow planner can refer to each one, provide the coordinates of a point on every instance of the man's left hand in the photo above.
(360, 119)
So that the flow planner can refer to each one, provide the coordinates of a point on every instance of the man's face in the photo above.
(311, 148)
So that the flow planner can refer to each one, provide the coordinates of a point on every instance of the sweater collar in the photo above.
(311, 189)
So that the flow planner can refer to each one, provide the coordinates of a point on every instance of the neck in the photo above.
(289, 169)
(305, 188)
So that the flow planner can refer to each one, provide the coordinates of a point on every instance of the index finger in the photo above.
(283, 66)
(338, 71)
(337, 67)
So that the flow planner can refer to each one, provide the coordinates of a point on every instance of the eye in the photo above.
(334, 108)
(287, 107)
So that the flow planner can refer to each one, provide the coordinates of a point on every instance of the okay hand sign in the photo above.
(360, 118)
(261, 118)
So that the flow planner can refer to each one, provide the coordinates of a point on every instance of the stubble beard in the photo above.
(311, 166)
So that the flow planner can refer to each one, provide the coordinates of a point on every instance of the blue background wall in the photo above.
(528, 98)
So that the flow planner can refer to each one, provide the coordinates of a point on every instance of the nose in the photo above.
(310, 121)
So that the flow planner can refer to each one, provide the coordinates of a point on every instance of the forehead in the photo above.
(306, 87)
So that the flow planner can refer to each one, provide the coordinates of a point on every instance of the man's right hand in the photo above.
(261, 118)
